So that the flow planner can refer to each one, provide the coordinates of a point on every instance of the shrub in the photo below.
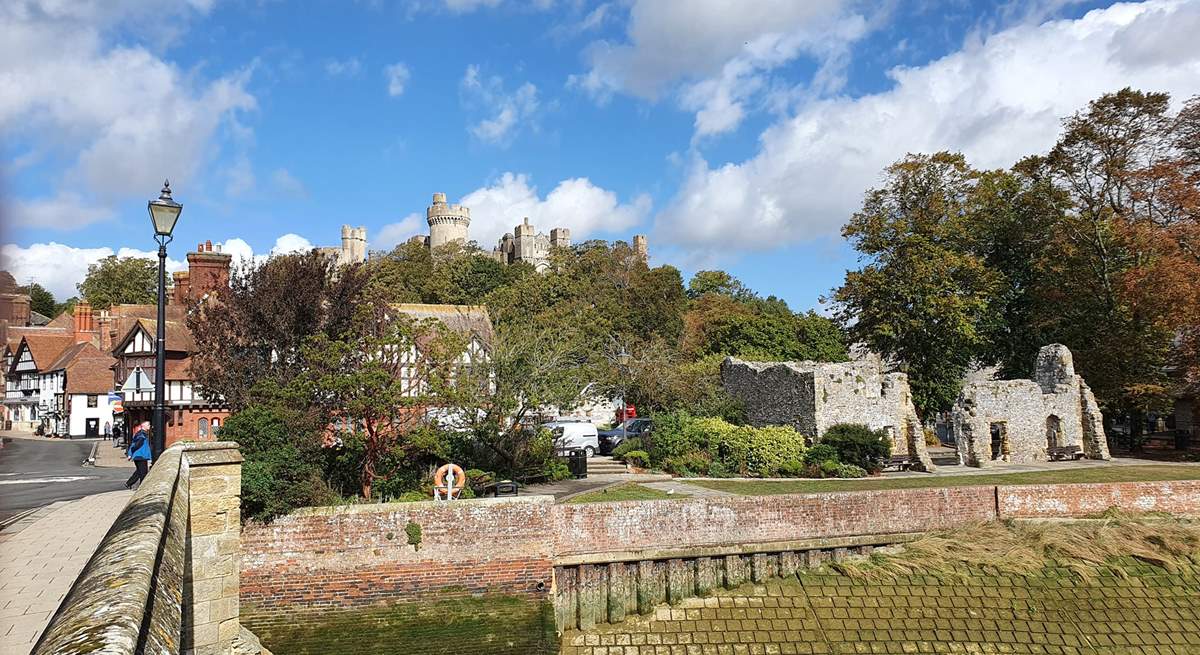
(632, 443)
(931, 438)
(795, 468)
(821, 452)
(555, 469)
(828, 468)
(689, 465)
(859, 445)
(282, 462)
(638, 458)
(850, 471)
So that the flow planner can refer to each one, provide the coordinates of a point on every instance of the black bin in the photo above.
(576, 462)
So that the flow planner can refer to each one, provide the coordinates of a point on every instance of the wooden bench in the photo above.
(1064, 452)
(898, 462)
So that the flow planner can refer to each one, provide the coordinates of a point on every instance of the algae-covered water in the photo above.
(486, 625)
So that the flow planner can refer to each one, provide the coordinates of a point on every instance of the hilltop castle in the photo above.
(353, 249)
(450, 222)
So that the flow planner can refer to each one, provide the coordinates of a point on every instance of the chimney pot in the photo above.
(208, 246)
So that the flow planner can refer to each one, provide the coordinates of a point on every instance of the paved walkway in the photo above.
(685, 489)
(41, 556)
(110, 457)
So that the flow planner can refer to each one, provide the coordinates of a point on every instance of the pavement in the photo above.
(41, 555)
(108, 456)
(36, 471)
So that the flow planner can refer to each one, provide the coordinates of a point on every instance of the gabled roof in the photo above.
(63, 320)
(178, 336)
(88, 369)
(36, 318)
(45, 348)
(470, 320)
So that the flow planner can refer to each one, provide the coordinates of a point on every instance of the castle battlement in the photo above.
(447, 222)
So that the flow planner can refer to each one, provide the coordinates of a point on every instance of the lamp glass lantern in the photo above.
(164, 212)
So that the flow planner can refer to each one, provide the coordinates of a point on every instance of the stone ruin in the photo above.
(1019, 420)
(812, 396)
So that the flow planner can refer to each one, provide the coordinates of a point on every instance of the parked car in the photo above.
(575, 435)
(632, 427)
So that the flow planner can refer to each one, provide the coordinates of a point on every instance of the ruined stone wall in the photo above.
(1027, 412)
(813, 396)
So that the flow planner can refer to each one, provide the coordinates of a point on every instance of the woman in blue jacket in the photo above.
(139, 452)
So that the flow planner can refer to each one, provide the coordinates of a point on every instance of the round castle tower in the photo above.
(447, 222)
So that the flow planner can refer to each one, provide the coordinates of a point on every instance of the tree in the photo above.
(718, 282)
(41, 300)
(921, 296)
(255, 331)
(120, 280)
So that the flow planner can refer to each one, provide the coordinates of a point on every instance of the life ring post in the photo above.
(448, 482)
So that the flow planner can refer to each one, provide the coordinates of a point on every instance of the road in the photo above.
(34, 473)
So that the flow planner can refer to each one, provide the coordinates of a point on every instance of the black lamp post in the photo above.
(623, 365)
(164, 212)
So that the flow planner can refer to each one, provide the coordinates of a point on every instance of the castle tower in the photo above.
(447, 222)
(560, 237)
(640, 247)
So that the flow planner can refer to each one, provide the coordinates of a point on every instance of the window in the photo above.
(216, 425)
(203, 428)
(91, 400)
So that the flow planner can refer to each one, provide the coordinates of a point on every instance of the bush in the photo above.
(687, 445)
(282, 462)
(850, 471)
(632, 443)
(794, 469)
(859, 445)
(689, 466)
(555, 469)
(821, 452)
(638, 458)
(931, 438)
(828, 468)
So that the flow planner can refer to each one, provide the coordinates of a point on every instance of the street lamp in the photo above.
(164, 213)
(623, 365)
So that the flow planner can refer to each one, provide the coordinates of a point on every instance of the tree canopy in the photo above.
(120, 280)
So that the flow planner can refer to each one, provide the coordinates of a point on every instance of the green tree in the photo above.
(41, 300)
(120, 280)
(921, 296)
(718, 282)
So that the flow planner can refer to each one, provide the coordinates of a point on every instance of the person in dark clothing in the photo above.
(116, 435)
(139, 452)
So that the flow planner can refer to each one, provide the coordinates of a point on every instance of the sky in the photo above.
(738, 135)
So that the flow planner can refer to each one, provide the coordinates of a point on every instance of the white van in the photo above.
(575, 435)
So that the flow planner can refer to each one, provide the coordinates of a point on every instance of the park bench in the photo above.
(1064, 452)
(898, 462)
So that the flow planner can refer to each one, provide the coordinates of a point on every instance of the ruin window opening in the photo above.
(999, 432)
(1053, 431)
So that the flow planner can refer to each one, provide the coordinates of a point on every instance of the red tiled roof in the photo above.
(63, 320)
(178, 336)
(88, 369)
(46, 348)
(179, 369)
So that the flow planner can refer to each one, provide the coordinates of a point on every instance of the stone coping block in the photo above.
(110, 608)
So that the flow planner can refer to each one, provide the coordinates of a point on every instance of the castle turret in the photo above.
(447, 222)
(640, 247)
(560, 237)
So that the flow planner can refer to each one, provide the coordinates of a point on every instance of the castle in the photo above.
(353, 249)
(450, 222)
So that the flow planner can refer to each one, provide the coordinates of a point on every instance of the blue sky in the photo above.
(737, 135)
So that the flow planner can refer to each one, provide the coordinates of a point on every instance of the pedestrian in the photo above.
(107, 430)
(139, 452)
(116, 435)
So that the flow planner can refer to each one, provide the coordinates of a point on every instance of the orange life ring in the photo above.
(460, 478)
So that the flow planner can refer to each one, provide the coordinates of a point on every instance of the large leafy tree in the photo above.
(41, 300)
(921, 296)
(255, 331)
(120, 280)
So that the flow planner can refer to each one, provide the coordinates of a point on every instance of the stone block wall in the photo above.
(211, 600)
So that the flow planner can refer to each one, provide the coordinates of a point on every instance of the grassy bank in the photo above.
(1090, 474)
(627, 491)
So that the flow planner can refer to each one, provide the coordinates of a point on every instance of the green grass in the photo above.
(1091, 474)
(627, 491)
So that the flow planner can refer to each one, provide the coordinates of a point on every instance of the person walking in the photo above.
(139, 452)
(117, 435)
(107, 430)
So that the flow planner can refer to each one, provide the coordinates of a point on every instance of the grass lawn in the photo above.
(627, 491)
(1091, 474)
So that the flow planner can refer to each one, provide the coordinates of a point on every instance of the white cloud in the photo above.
(59, 267)
(998, 99)
(343, 67)
(239, 177)
(290, 243)
(467, 6)
(126, 117)
(509, 111)
(664, 45)
(575, 203)
(66, 211)
(393, 234)
(287, 183)
(397, 76)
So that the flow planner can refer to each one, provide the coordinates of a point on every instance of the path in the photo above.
(40, 557)
(602, 472)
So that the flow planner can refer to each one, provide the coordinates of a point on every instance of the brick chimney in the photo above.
(180, 289)
(85, 324)
(208, 271)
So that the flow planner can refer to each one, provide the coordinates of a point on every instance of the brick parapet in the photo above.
(1178, 497)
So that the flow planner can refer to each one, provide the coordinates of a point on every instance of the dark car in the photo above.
(633, 427)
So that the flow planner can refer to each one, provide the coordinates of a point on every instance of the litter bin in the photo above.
(576, 462)
(502, 488)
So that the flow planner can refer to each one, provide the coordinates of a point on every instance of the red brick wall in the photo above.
(359, 555)
(604, 527)
(1067, 500)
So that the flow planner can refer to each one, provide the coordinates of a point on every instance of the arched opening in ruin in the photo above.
(1053, 431)
(999, 431)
